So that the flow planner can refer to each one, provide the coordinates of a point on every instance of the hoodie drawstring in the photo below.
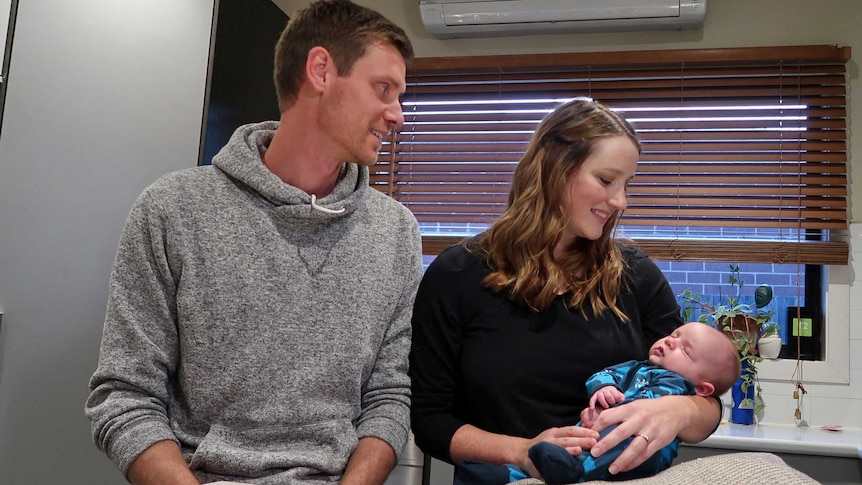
(324, 209)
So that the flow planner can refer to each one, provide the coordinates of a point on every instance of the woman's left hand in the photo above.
(652, 422)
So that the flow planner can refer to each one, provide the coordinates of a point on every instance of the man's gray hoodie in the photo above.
(262, 334)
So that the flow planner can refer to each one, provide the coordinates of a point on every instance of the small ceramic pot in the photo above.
(769, 346)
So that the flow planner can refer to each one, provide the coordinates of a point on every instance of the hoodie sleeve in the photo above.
(138, 353)
(385, 407)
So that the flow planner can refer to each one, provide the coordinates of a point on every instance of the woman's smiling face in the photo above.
(597, 189)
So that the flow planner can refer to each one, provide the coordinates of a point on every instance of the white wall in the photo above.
(103, 97)
(732, 23)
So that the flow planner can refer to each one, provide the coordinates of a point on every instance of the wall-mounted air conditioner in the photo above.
(489, 18)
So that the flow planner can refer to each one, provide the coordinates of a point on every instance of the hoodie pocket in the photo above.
(313, 449)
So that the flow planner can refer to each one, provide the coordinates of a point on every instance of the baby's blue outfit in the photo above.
(636, 380)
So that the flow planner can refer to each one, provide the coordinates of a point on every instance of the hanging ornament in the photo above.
(762, 295)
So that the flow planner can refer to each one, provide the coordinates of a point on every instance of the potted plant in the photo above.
(746, 326)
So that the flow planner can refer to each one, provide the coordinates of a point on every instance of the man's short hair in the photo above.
(343, 28)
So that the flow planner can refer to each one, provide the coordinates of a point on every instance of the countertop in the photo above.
(786, 439)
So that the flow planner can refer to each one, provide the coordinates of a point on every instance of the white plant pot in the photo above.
(769, 346)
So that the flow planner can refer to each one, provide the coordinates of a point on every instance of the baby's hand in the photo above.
(607, 397)
(589, 416)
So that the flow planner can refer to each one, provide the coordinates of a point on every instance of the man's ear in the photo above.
(319, 68)
(704, 389)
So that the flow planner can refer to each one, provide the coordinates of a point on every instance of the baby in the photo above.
(696, 359)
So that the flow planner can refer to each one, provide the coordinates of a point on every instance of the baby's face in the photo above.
(685, 351)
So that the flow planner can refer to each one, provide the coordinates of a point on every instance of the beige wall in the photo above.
(731, 23)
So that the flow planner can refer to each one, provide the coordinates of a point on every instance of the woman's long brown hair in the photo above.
(520, 245)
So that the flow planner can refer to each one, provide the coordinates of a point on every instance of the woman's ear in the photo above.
(704, 389)
(319, 68)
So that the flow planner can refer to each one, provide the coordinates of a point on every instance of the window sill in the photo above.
(778, 438)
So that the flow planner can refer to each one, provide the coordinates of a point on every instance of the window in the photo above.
(744, 150)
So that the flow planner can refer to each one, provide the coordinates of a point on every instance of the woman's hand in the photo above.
(574, 439)
(654, 423)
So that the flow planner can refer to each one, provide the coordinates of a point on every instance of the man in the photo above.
(258, 323)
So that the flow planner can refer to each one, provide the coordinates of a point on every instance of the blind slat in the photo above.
(811, 252)
(746, 139)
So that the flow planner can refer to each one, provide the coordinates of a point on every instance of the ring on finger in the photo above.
(645, 437)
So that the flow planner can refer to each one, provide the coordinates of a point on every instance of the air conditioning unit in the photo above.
(489, 18)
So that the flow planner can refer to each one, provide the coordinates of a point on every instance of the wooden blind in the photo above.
(744, 150)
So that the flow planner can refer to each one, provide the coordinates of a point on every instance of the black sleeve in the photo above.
(434, 352)
(657, 306)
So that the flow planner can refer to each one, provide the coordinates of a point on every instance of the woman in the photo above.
(508, 326)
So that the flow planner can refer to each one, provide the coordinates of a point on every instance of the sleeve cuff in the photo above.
(385, 429)
(128, 445)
